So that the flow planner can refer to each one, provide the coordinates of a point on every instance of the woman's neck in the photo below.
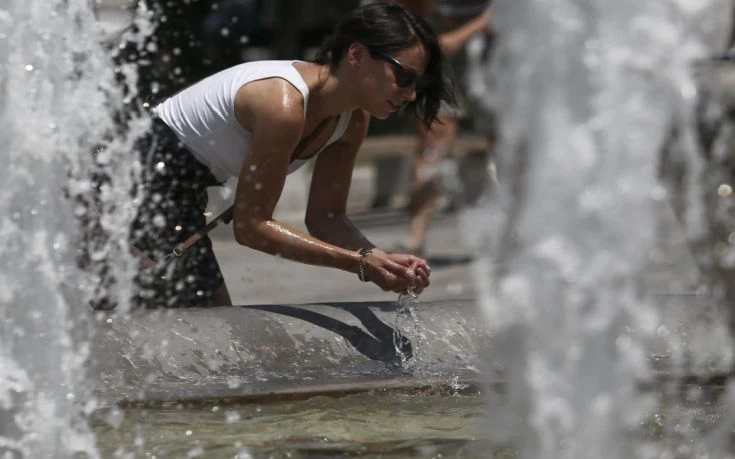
(329, 95)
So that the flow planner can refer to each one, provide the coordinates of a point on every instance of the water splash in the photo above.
(409, 337)
(588, 93)
(61, 101)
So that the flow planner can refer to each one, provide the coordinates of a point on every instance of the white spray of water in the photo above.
(408, 330)
(587, 93)
(58, 99)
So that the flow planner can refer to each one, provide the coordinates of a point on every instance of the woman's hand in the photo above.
(397, 272)
(419, 266)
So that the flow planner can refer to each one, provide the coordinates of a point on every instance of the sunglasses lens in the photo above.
(404, 76)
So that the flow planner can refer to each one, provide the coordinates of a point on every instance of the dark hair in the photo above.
(386, 27)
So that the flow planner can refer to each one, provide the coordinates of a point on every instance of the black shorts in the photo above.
(173, 201)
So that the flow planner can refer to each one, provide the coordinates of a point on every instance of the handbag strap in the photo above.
(223, 218)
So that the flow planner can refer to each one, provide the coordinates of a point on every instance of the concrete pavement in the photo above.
(268, 350)
(256, 278)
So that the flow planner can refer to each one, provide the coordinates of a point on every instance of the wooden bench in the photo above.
(388, 146)
(392, 155)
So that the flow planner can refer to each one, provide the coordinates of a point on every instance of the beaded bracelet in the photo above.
(361, 274)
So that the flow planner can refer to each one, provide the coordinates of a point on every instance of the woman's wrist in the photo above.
(362, 265)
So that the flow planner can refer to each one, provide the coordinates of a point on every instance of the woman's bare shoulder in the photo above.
(269, 100)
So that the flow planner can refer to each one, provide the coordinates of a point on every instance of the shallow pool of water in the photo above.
(431, 423)
(377, 423)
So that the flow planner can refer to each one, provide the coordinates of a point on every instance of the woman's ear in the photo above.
(356, 53)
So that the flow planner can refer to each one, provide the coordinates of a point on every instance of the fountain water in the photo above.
(59, 98)
(408, 326)
(588, 93)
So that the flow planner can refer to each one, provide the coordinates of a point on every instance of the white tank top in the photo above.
(203, 115)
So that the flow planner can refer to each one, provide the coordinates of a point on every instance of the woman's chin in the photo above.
(382, 114)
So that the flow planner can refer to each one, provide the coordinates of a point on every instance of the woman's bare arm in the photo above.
(276, 119)
(451, 42)
(326, 216)
(276, 131)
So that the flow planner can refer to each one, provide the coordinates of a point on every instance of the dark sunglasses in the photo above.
(405, 77)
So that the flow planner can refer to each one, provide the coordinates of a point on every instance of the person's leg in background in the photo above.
(434, 155)
(435, 147)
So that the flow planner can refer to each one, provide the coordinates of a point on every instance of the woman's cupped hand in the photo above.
(397, 272)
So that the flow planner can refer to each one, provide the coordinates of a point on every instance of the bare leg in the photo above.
(436, 144)
(422, 207)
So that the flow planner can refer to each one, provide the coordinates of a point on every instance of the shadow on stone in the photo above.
(378, 343)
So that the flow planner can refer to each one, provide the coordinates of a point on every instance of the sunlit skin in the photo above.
(272, 110)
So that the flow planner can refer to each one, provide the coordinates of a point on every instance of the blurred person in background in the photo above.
(260, 121)
(434, 170)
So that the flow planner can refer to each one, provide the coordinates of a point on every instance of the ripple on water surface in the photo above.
(385, 423)
(430, 423)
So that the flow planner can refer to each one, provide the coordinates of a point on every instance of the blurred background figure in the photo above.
(194, 39)
(434, 171)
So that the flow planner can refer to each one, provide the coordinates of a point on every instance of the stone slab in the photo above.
(256, 351)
